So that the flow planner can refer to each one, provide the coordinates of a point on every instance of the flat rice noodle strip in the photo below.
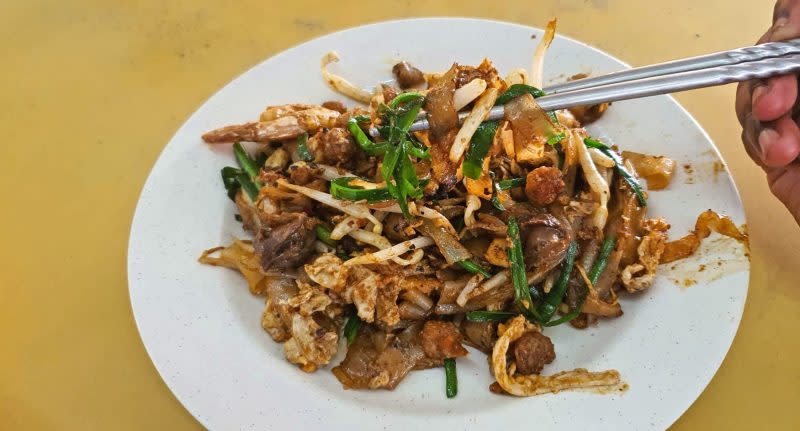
(451, 289)
(707, 222)
(370, 364)
(498, 294)
(452, 250)
(443, 119)
(531, 126)
(657, 170)
(240, 256)
(443, 171)
(442, 114)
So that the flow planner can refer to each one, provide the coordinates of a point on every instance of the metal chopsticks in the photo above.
(743, 64)
(724, 58)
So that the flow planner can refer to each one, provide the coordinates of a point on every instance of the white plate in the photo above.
(202, 329)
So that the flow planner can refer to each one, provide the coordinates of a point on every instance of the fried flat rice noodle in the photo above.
(657, 170)
(531, 127)
(452, 250)
(240, 256)
(442, 114)
(707, 222)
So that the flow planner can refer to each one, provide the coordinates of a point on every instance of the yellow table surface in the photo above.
(91, 91)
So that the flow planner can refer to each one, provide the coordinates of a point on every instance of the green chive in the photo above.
(620, 168)
(478, 148)
(557, 138)
(340, 189)
(247, 185)
(474, 268)
(324, 235)
(510, 183)
(342, 255)
(450, 377)
(489, 316)
(369, 147)
(302, 148)
(351, 328)
(594, 275)
(602, 259)
(553, 298)
(517, 90)
(522, 293)
(229, 175)
(246, 162)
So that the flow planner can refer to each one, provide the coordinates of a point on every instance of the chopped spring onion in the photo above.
(522, 293)
(450, 377)
(594, 275)
(557, 138)
(517, 90)
(247, 185)
(324, 235)
(553, 298)
(340, 189)
(302, 148)
(408, 96)
(474, 268)
(510, 183)
(489, 316)
(246, 162)
(247, 176)
(351, 328)
(478, 148)
(536, 294)
(602, 259)
(229, 180)
(633, 183)
(369, 147)
(397, 168)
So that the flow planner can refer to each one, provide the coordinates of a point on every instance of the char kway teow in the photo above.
(409, 246)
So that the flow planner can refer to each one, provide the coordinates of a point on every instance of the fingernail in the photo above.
(758, 92)
(766, 139)
(781, 21)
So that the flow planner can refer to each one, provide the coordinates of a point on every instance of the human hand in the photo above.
(768, 111)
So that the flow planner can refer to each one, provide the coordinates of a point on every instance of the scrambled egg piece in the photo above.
(650, 250)
(528, 385)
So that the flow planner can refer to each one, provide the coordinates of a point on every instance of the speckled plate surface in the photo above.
(201, 326)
